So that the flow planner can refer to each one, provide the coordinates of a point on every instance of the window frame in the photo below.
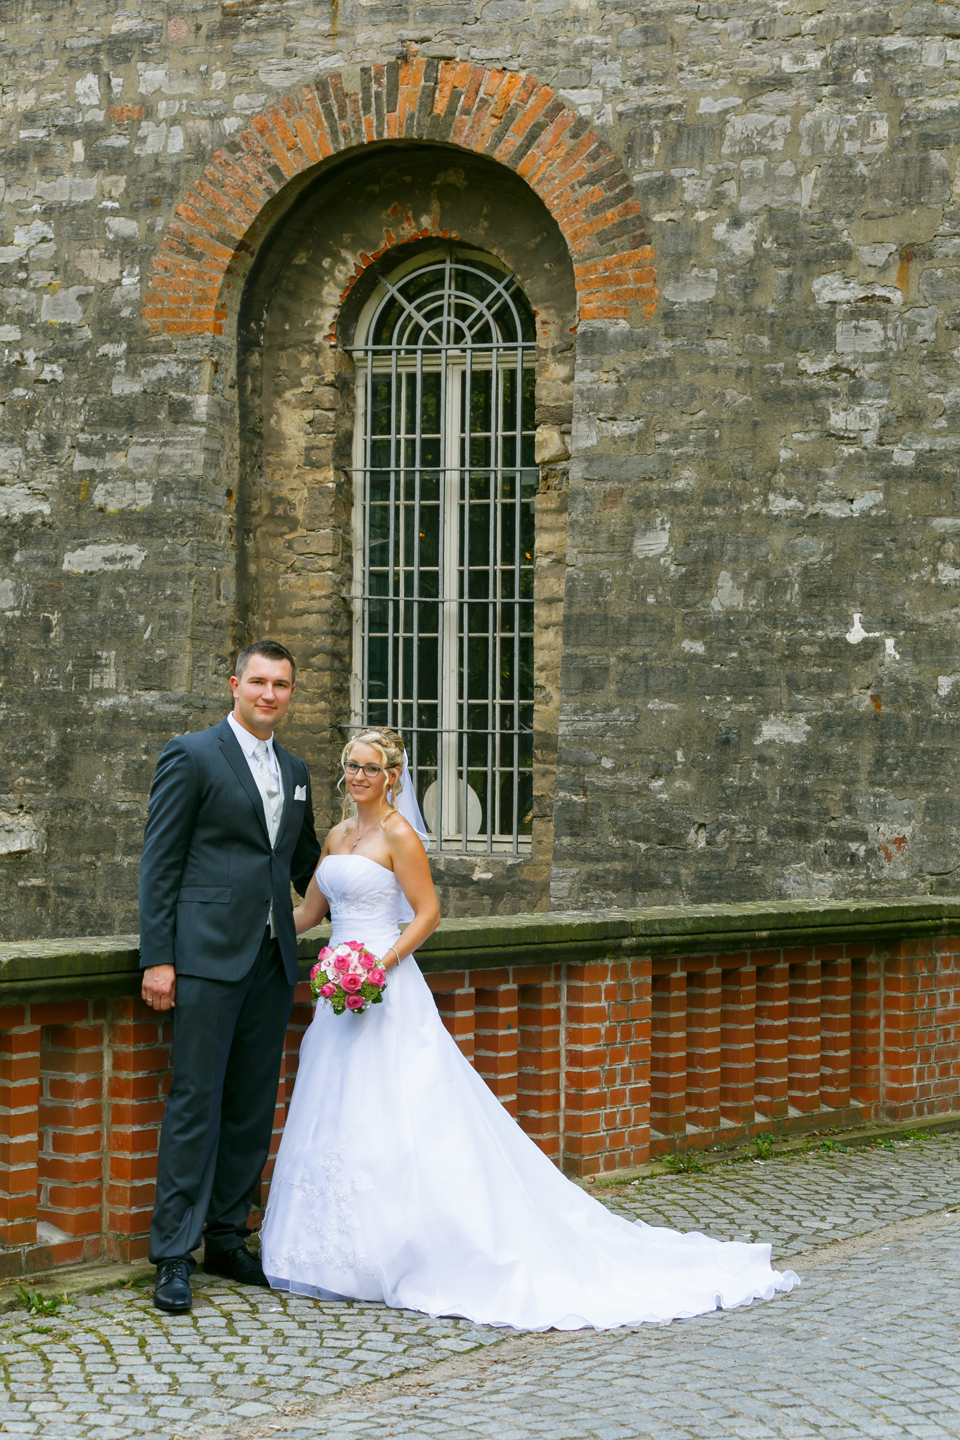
(456, 364)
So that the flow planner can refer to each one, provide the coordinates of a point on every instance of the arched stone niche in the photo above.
(365, 215)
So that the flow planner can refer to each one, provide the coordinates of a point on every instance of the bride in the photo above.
(401, 1178)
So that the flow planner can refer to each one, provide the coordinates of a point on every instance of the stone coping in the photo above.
(108, 965)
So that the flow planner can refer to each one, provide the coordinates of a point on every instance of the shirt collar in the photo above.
(248, 742)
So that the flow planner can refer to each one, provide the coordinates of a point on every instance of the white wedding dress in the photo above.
(401, 1178)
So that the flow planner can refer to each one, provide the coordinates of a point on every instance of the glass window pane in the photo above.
(450, 533)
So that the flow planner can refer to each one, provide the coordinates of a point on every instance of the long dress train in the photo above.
(401, 1178)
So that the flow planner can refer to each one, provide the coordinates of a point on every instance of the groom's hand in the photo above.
(160, 987)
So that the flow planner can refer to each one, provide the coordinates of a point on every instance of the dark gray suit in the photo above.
(208, 876)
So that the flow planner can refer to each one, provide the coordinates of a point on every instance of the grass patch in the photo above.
(689, 1163)
(39, 1304)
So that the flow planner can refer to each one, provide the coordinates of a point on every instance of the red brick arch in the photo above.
(514, 119)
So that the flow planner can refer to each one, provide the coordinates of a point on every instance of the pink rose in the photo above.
(328, 990)
(354, 945)
(315, 971)
(355, 1002)
(367, 960)
(351, 983)
(377, 977)
(341, 964)
(325, 954)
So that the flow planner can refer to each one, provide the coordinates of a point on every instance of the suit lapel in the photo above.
(286, 770)
(237, 761)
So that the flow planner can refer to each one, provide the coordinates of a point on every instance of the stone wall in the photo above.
(759, 687)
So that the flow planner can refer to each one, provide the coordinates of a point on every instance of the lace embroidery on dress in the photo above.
(328, 1211)
(356, 910)
(330, 1256)
(346, 906)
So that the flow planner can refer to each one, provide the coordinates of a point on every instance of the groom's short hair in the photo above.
(269, 650)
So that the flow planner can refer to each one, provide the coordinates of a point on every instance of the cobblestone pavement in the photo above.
(868, 1346)
(804, 1200)
(111, 1365)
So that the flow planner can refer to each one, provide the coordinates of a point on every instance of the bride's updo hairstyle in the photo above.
(390, 745)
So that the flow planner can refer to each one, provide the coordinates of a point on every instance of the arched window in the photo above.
(444, 540)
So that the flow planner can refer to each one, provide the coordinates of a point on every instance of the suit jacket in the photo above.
(208, 872)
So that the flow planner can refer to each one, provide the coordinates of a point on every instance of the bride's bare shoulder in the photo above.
(335, 837)
(400, 833)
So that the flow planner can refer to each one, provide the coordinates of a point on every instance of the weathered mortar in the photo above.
(769, 456)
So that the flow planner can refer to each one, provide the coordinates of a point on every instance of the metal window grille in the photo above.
(444, 536)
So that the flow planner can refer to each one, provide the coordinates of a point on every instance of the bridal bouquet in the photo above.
(348, 977)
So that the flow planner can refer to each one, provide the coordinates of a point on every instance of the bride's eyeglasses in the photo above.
(371, 771)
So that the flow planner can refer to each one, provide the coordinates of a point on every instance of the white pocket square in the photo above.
(300, 793)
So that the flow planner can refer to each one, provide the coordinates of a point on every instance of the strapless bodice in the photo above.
(365, 899)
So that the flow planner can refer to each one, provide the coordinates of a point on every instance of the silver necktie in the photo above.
(272, 802)
(269, 791)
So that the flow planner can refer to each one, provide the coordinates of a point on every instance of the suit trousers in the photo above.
(228, 1039)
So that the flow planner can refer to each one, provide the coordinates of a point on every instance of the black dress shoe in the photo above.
(236, 1264)
(171, 1292)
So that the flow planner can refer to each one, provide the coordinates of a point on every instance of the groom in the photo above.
(230, 824)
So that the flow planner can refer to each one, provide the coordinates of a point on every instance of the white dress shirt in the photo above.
(248, 744)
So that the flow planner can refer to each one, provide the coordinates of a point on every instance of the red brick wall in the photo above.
(70, 1161)
(920, 1017)
(208, 247)
(140, 1044)
(19, 1114)
(604, 1065)
(82, 1099)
